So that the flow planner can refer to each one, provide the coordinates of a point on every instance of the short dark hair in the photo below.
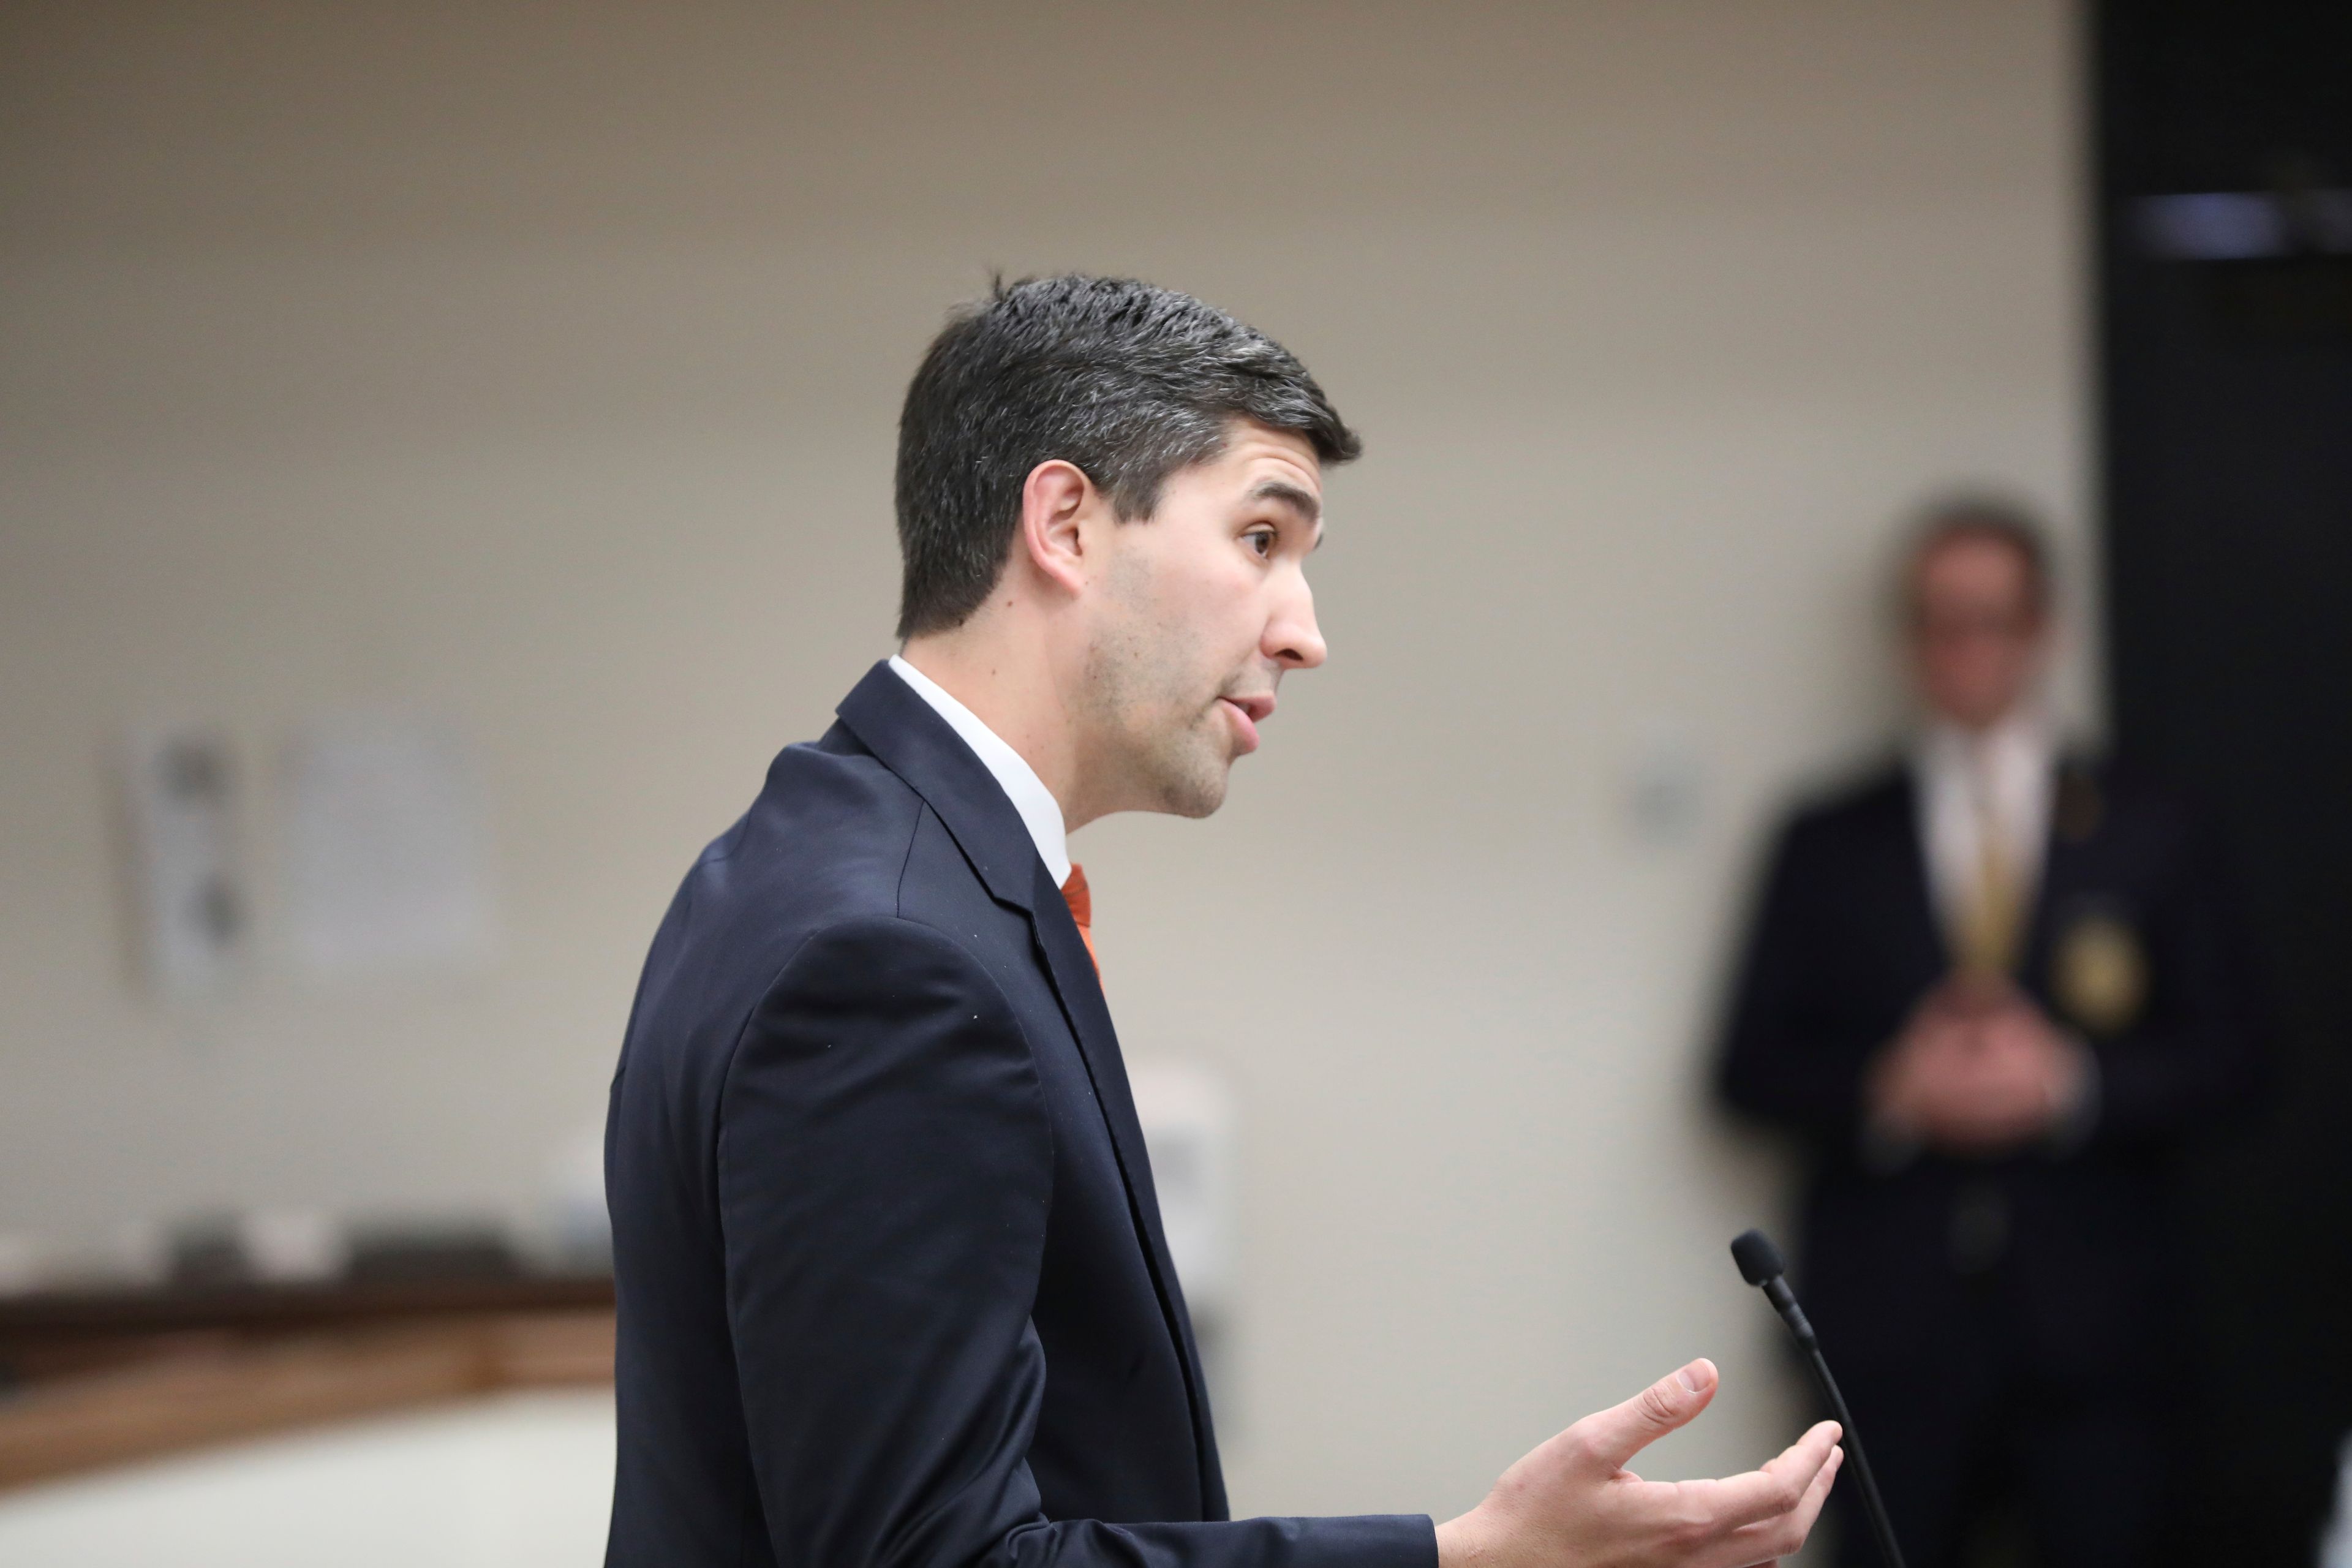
(1128, 381)
(1980, 515)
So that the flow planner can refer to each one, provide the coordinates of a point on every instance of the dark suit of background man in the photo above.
(893, 1289)
(1990, 989)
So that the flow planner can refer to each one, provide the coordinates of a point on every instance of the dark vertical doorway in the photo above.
(2224, 144)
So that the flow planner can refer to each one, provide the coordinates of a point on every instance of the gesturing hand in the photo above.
(1571, 1503)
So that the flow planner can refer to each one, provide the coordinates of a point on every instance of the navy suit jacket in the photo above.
(1845, 943)
(893, 1289)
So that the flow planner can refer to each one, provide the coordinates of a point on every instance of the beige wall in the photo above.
(539, 365)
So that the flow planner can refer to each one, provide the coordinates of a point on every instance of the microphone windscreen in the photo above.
(1758, 1258)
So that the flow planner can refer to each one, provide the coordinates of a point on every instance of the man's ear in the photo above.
(1055, 500)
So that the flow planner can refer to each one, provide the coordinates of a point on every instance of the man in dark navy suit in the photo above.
(1992, 989)
(893, 1288)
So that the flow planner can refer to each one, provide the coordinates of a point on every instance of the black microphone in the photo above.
(1759, 1265)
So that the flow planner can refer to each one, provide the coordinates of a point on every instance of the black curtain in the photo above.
(2226, 370)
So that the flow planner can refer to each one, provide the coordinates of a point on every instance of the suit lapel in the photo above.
(1075, 982)
(2076, 810)
(1072, 970)
(912, 741)
(1927, 945)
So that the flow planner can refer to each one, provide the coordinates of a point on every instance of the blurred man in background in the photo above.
(1988, 987)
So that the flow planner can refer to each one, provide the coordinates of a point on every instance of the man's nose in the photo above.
(1292, 638)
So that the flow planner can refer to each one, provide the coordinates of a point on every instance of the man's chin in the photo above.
(1198, 798)
(1183, 773)
(1197, 790)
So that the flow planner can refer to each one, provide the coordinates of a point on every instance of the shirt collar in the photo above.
(1040, 811)
(2023, 743)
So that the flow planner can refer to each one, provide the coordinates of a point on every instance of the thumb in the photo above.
(1615, 1434)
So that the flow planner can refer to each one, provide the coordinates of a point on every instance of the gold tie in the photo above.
(1081, 900)
(1990, 917)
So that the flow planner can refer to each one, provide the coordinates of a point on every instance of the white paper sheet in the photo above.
(387, 847)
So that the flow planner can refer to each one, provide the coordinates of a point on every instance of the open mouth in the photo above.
(1247, 713)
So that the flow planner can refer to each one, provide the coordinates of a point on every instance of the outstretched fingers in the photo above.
(1780, 1488)
(1768, 1540)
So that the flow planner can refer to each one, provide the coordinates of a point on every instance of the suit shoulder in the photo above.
(2131, 807)
(823, 843)
(820, 798)
(1864, 801)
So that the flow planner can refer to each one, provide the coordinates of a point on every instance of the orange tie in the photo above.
(1082, 910)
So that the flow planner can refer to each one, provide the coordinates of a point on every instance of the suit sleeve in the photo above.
(2198, 1055)
(886, 1169)
(1785, 1058)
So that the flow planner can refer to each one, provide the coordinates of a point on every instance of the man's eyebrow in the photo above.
(1305, 502)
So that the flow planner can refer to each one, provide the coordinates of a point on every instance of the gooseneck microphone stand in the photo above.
(1760, 1266)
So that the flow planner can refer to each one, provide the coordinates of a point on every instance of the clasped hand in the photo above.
(1977, 1070)
(1573, 1503)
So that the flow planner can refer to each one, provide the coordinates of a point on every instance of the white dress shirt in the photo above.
(2003, 778)
(1040, 811)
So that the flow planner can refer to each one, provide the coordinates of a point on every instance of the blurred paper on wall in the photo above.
(1187, 1116)
(386, 847)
